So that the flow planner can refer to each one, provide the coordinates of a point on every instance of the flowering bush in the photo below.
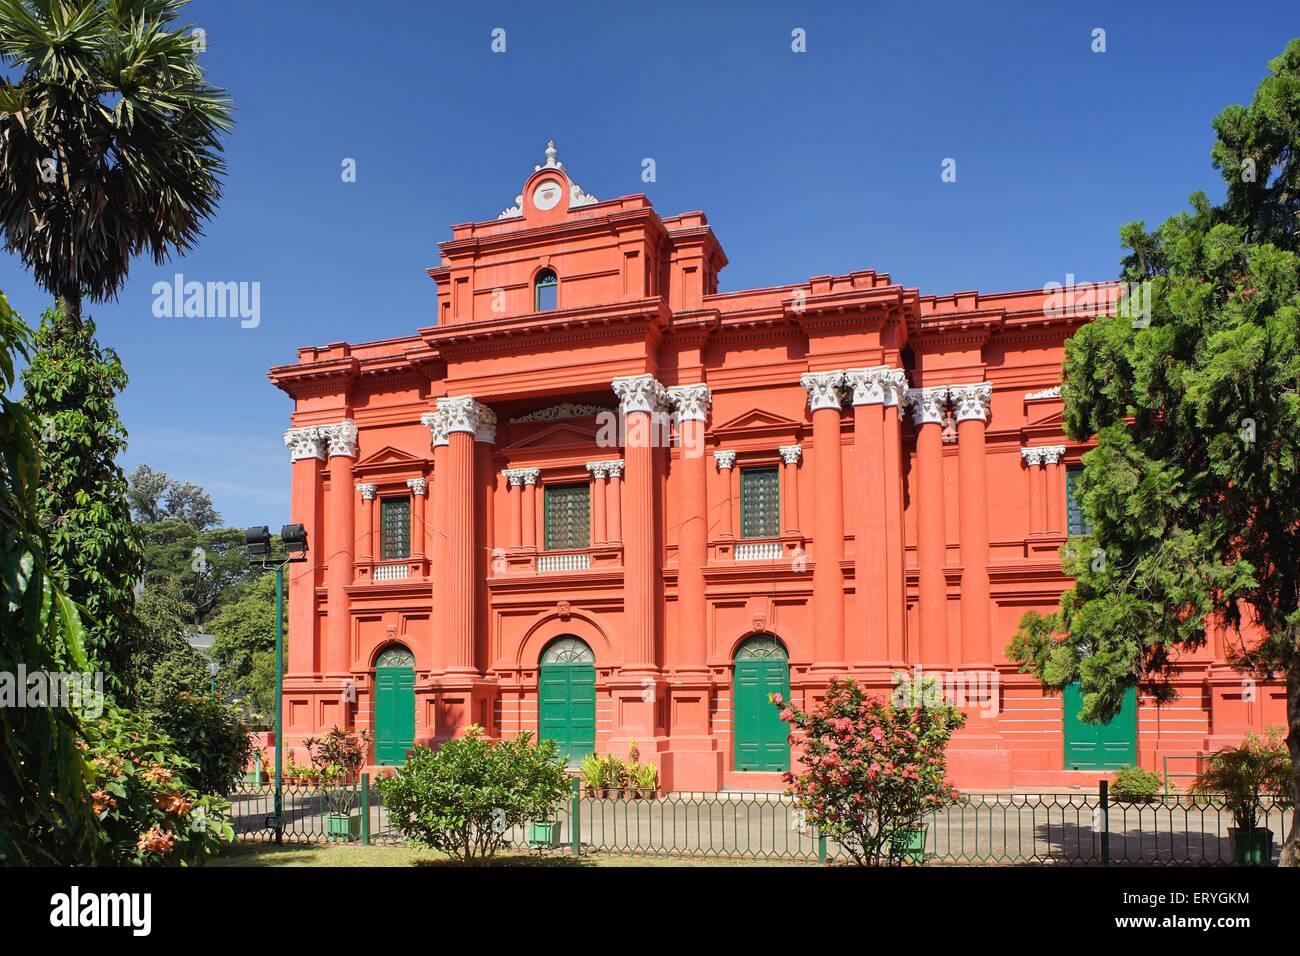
(143, 796)
(872, 769)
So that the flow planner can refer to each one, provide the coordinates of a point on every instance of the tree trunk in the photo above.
(1291, 849)
(70, 296)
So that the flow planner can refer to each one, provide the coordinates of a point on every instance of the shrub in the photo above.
(1244, 775)
(212, 734)
(872, 768)
(464, 798)
(151, 813)
(1135, 785)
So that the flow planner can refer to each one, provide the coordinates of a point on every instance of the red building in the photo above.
(603, 501)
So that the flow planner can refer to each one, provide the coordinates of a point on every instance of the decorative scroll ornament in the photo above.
(436, 422)
(562, 410)
(598, 469)
(869, 385)
(418, 486)
(640, 393)
(304, 443)
(725, 459)
(367, 491)
(485, 428)
(971, 402)
(1052, 454)
(790, 453)
(614, 468)
(576, 195)
(928, 404)
(823, 389)
(341, 438)
(1032, 456)
(896, 390)
(1053, 392)
(690, 402)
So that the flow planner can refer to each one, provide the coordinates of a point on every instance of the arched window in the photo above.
(546, 291)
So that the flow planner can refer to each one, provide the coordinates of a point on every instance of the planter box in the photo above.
(907, 845)
(1251, 847)
(347, 828)
(544, 834)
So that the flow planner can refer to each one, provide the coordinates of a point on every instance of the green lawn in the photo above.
(246, 853)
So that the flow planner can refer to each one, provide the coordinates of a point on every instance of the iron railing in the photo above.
(1076, 828)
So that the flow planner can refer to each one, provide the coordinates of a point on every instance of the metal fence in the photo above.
(1076, 828)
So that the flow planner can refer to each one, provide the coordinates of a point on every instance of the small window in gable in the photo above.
(546, 291)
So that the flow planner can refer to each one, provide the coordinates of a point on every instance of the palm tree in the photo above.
(109, 140)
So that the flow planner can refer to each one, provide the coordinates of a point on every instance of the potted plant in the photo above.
(616, 774)
(544, 834)
(1244, 777)
(336, 760)
(595, 775)
(647, 780)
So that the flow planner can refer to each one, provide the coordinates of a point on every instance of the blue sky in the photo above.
(806, 164)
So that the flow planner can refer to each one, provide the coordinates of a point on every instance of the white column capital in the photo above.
(436, 422)
(614, 469)
(971, 402)
(640, 393)
(1052, 454)
(690, 402)
(790, 454)
(463, 414)
(305, 443)
(823, 389)
(725, 459)
(340, 438)
(418, 486)
(928, 404)
(367, 491)
(598, 469)
(869, 385)
(529, 475)
(1033, 456)
(515, 476)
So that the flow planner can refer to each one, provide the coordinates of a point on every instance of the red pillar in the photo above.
(871, 643)
(419, 491)
(1052, 455)
(692, 403)
(458, 572)
(726, 460)
(530, 507)
(599, 522)
(790, 455)
(828, 519)
(367, 492)
(614, 501)
(928, 405)
(1033, 458)
(514, 490)
(971, 404)
(307, 449)
(438, 536)
(895, 545)
(342, 444)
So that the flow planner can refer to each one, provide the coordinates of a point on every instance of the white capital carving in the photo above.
(530, 475)
(1052, 454)
(928, 404)
(514, 475)
(823, 389)
(463, 414)
(1053, 392)
(367, 491)
(725, 459)
(614, 468)
(418, 486)
(896, 391)
(640, 393)
(1032, 456)
(341, 438)
(304, 443)
(598, 469)
(790, 453)
(690, 402)
(436, 422)
(486, 426)
(869, 385)
(971, 402)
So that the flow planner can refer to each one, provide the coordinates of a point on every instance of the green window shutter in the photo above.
(568, 517)
(395, 528)
(1077, 521)
(760, 503)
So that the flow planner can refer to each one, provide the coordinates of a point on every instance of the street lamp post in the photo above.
(258, 540)
(213, 669)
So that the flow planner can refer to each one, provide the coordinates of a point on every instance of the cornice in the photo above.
(315, 378)
(584, 323)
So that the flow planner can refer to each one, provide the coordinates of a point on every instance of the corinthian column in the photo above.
(367, 492)
(464, 418)
(971, 405)
(341, 443)
(643, 404)
(868, 488)
(599, 522)
(1052, 455)
(823, 390)
(307, 449)
(437, 425)
(928, 405)
(692, 411)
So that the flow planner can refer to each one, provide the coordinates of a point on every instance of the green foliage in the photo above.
(145, 797)
(45, 814)
(465, 798)
(207, 566)
(213, 734)
(871, 768)
(71, 386)
(245, 642)
(162, 662)
(156, 498)
(594, 774)
(1243, 776)
(113, 92)
(1135, 785)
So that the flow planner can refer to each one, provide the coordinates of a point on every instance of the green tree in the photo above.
(245, 642)
(163, 664)
(208, 566)
(109, 140)
(45, 811)
(155, 497)
(71, 386)
(1193, 492)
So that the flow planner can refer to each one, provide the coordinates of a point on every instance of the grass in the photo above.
(248, 853)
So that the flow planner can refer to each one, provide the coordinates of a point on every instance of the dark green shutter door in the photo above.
(1099, 746)
(567, 698)
(760, 734)
(394, 714)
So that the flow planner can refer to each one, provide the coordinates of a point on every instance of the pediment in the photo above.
(563, 435)
(758, 419)
(1054, 419)
(388, 455)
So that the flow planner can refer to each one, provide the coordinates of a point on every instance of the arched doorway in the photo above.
(762, 667)
(566, 697)
(394, 705)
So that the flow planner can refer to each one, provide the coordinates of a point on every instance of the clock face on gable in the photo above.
(547, 194)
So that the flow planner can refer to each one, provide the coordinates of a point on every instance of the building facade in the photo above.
(601, 501)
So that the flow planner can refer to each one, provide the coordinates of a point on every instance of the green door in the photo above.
(1099, 746)
(761, 736)
(566, 699)
(394, 705)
